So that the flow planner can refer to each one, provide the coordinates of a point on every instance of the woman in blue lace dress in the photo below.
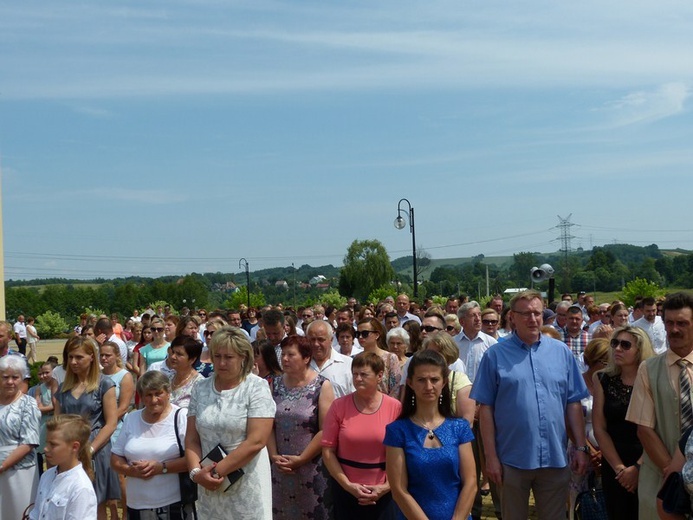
(430, 464)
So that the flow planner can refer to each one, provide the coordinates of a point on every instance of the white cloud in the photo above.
(646, 106)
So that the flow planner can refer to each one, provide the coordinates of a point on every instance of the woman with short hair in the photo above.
(397, 340)
(184, 355)
(19, 436)
(302, 398)
(147, 453)
(233, 409)
(352, 444)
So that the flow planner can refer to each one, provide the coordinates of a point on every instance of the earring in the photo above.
(413, 400)
(440, 399)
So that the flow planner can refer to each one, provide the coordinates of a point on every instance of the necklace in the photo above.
(425, 426)
(182, 383)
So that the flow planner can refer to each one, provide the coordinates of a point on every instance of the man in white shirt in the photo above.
(471, 341)
(653, 325)
(403, 313)
(328, 362)
(20, 334)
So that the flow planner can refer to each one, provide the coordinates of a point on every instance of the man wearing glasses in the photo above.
(529, 387)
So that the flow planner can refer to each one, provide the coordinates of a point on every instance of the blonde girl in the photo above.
(66, 490)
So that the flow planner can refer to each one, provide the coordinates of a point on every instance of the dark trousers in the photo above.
(21, 346)
(346, 507)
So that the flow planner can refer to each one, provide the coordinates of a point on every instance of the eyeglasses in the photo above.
(307, 316)
(365, 333)
(528, 314)
(489, 322)
(624, 343)
(157, 329)
(202, 314)
(449, 328)
(431, 328)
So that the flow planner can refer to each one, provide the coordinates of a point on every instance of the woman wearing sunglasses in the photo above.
(371, 335)
(617, 438)
(156, 349)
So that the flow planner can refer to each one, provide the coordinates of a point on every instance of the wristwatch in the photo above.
(584, 448)
(164, 469)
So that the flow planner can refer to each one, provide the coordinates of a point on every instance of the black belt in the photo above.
(361, 465)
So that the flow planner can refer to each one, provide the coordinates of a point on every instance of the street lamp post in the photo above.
(399, 224)
(247, 277)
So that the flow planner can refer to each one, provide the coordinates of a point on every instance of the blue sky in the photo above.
(150, 138)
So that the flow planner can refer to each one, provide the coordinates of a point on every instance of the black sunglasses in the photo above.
(449, 328)
(157, 329)
(624, 343)
(365, 333)
(208, 333)
(431, 328)
(489, 322)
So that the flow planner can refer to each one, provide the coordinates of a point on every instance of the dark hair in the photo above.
(392, 314)
(434, 313)
(103, 326)
(345, 327)
(414, 330)
(262, 348)
(273, 317)
(301, 344)
(368, 359)
(677, 301)
(651, 301)
(431, 358)
(192, 346)
(377, 326)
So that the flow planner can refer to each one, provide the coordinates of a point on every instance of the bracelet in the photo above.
(91, 450)
(193, 473)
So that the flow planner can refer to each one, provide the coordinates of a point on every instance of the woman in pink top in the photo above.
(352, 441)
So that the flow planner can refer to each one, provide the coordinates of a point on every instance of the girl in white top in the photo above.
(66, 491)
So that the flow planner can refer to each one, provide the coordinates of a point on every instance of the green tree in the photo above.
(240, 297)
(639, 287)
(50, 324)
(366, 267)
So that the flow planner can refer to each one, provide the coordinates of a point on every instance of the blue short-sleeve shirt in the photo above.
(529, 388)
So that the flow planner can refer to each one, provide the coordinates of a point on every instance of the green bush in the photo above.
(333, 298)
(639, 287)
(50, 324)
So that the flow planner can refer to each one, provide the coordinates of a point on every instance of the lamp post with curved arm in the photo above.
(247, 277)
(400, 224)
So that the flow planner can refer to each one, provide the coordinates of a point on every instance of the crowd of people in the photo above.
(383, 411)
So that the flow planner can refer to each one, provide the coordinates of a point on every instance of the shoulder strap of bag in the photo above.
(175, 428)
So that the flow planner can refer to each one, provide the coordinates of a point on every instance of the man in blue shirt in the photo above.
(529, 387)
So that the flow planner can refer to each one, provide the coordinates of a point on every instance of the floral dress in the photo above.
(300, 494)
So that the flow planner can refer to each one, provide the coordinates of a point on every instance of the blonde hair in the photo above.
(74, 428)
(89, 346)
(233, 339)
(642, 343)
(445, 346)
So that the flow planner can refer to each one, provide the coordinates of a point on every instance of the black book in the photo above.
(216, 455)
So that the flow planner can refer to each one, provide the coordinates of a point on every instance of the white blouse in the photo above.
(64, 496)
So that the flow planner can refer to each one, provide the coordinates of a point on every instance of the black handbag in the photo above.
(188, 489)
(675, 498)
(590, 504)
